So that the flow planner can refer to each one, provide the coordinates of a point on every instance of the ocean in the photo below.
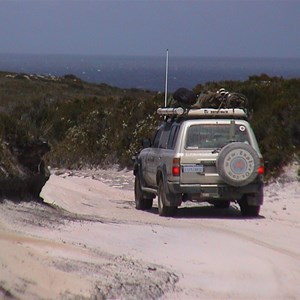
(149, 72)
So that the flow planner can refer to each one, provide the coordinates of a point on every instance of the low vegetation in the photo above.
(91, 125)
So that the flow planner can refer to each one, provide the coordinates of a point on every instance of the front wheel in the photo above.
(163, 210)
(143, 201)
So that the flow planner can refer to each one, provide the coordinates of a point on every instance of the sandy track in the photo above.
(94, 245)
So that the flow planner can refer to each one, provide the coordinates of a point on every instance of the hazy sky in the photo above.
(234, 28)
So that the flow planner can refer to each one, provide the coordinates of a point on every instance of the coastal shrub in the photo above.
(101, 125)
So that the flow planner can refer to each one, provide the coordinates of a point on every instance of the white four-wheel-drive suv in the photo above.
(205, 155)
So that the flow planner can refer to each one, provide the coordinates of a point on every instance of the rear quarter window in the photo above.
(173, 137)
(157, 137)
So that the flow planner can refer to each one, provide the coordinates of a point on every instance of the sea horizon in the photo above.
(148, 72)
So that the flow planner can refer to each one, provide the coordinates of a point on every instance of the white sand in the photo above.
(203, 253)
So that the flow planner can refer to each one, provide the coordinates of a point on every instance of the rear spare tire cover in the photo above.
(237, 164)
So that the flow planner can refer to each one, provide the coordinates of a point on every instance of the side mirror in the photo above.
(146, 143)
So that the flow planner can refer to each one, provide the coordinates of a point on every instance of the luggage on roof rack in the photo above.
(221, 99)
(185, 98)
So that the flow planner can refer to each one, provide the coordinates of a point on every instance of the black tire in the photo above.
(249, 210)
(163, 210)
(237, 164)
(222, 204)
(143, 201)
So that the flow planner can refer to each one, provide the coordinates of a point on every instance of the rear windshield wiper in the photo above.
(218, 149)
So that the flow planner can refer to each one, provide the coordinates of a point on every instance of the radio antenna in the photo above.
(166, 84)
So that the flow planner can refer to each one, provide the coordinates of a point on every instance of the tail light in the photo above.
(261, 168)
(176, 167)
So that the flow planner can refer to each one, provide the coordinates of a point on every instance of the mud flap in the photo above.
(256, 199)
(171, 198)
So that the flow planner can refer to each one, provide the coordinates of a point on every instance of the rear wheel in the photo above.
(249, 210)
(143, 200)
(163, 210)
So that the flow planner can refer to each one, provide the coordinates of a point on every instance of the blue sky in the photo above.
(216, 28)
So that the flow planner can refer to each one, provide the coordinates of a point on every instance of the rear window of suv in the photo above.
(215, 135)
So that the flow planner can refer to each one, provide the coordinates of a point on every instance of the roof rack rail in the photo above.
(203, 112)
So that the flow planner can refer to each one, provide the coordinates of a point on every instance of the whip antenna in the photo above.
(166, 85)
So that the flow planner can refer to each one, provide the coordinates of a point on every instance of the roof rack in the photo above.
(203, 112)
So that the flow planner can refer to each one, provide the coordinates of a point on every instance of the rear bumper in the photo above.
(205, 192)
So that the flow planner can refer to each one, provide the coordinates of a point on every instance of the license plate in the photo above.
(193, 169)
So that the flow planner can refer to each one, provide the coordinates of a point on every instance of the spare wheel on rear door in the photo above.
(237, 164)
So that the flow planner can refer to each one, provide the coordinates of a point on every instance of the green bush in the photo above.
(99, 125)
